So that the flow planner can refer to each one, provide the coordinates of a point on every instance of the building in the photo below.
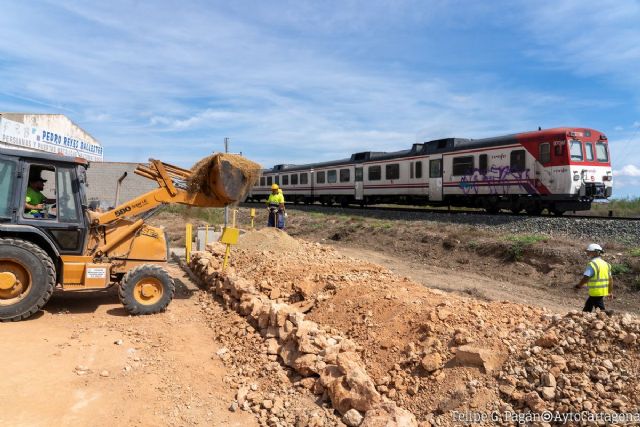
(51, 133)
(102, 180)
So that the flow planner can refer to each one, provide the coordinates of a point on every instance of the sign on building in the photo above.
(52, 133)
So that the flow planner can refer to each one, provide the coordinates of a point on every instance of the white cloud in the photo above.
(628, 170)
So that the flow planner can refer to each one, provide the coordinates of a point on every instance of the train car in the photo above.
(555, 169)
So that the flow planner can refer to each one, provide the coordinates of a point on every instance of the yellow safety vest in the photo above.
(275, 199)
(598, 284)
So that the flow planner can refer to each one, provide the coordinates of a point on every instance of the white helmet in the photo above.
(594, 247)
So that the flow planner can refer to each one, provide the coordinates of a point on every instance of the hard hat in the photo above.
(594, 247)
(274, 186)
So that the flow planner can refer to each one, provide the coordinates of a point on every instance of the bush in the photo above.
(617, 269)
(515, 252)
(635, 252)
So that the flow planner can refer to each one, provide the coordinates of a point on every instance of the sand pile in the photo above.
(228, 177)
(268, 239)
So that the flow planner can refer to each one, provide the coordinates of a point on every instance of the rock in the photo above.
(607, 364)
(272, 346)
(104, 373)
(352, 418)
(559, 362)
(443, 314)
(489, 359)
(548, 393)
(118, 342)
(534, 401)
(431, 362)
(630, 338)
(548, 340)
(306, 364)
(241, 394)
(387, 414)
(267, 404)
(233, 407)
(349, 386)
(548, 380)
(599, 325)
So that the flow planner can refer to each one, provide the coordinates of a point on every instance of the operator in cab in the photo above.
(34, 199)
(275, 206)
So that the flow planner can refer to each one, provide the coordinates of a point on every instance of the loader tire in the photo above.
(27, 279)
(146, 289)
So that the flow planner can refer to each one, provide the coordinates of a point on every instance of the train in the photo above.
(560, 169)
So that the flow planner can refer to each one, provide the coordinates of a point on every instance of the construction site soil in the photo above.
(341, 320)
(432, 352)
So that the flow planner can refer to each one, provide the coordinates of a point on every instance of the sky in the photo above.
(303, 81)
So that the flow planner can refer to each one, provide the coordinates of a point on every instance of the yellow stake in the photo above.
(253, 215)
(187, 242)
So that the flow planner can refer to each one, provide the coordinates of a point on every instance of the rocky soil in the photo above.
(408, 348)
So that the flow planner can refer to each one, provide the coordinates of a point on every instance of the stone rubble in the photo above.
(367, 342)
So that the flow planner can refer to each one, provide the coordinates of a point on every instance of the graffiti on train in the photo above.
(497, 179)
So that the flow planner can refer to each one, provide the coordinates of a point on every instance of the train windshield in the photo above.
(576, 150)
(601, 152)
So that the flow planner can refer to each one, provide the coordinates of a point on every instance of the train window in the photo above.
(435, 168)
(411, 167)
(483, 163)
(294, 179)
(545, 152)
(263, 181)
(345, 175)
(375, 173)
(269, 180)
(517, 161)
(576, 150)
(588, 149)
(285, 179)
(332, 176)
(276, 179)
(601, 152)
(392, 171)
(320, 177)
(419, 169)
(358, 175)
(558, 148)
(462, 165)
(304, 178)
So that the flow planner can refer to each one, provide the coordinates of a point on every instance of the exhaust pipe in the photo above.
(124, 175)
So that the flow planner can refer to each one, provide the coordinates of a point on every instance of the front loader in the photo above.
(65, 245)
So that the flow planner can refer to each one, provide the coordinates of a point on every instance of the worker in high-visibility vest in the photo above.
(275, 206)
(598, 279)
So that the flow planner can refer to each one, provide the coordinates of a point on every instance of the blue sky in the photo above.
(300, 81)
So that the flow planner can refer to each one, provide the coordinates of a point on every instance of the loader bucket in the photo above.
(227, 177)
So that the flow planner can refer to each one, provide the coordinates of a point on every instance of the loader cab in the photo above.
(54, 186)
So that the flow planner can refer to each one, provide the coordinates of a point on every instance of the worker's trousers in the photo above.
(276, 220)
(592, 302)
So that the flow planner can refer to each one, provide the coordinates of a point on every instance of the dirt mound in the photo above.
(268, 239)
(228, 177)
(432, 352)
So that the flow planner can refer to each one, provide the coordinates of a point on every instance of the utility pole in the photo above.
(226, 208)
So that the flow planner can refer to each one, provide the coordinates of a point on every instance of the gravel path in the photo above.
(597, 229)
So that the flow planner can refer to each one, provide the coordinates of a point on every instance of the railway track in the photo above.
(442, 211)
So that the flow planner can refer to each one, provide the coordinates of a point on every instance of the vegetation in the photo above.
(208, 215)
(617, 269)
(628, 207)
(515, 252)
(634, 252)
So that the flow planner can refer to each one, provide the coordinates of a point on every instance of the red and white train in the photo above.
(557, 169)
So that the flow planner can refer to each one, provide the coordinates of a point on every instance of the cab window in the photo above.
(576, 151)
(39, 200)
(601, 152)
(588, 149)
(67, 208)
(7, 179)
(545, 152)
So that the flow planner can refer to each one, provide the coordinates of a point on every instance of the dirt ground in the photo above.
(83, 361)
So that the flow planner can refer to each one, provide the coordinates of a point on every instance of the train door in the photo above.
(359, 183)
(435, 178)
